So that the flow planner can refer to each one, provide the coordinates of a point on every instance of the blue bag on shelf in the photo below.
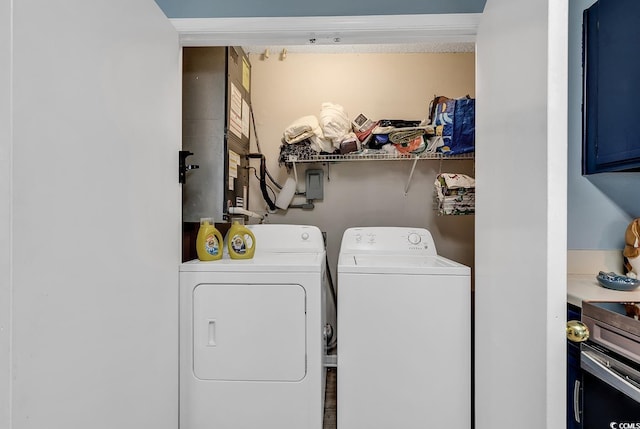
(464, 126)
(444, 118)
(458, 120)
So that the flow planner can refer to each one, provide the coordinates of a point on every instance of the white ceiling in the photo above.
(351, 34)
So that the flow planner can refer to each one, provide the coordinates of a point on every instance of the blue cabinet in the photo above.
(574, 376)
(611, 87)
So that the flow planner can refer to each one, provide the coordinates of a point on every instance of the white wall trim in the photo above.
(557, 162)
(367, 29)
(6, 214)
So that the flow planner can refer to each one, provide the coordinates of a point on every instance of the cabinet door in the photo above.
(249, 332)
(611, 37)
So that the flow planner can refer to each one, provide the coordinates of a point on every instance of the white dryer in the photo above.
(251, 335)
(404, 349)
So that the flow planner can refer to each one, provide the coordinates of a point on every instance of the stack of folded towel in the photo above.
(456, 194)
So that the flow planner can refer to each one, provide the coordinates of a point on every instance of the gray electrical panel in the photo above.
(314, 184)
(215, 128)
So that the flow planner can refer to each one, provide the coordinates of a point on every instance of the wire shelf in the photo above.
(377, 157)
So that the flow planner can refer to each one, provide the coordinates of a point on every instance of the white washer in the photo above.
(251, 341)
(404, 349)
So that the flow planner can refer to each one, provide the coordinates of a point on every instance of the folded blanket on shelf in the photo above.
(469, 198)
(307, 128)
(456, 181)
(455, 194)
(457, 209)
(301, 129)
(406, 136)
(300, 150)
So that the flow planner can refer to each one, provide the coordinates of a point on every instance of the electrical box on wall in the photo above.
(314, 185)
(215, 129)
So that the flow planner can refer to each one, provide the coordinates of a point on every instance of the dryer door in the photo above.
(247, 332)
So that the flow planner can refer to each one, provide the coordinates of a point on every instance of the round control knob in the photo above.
(305, 235)
(414, 238)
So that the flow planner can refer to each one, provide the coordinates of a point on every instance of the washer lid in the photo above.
(400, 264)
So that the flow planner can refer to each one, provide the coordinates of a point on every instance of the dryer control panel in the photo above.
(388, 240)
(275, 238)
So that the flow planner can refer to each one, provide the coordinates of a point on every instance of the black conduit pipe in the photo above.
(263, 180)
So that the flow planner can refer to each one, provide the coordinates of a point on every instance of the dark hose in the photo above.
(263, 181)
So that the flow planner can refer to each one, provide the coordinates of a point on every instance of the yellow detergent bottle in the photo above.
(241, 242)
(209, 242)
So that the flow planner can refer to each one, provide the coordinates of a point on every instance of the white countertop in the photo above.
(585, 287)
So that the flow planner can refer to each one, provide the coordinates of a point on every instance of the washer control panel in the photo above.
(414, 238)
(391, 240)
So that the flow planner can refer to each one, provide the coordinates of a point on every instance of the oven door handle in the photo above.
(576, 401)
(601, 369)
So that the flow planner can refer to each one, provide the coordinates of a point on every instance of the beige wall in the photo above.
(363, 193)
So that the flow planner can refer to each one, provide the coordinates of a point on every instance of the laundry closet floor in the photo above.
(330, 399)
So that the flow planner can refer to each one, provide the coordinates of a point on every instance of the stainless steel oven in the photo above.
(610, 363)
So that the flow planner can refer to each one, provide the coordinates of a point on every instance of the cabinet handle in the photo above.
(576, 401)
(211, 333)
